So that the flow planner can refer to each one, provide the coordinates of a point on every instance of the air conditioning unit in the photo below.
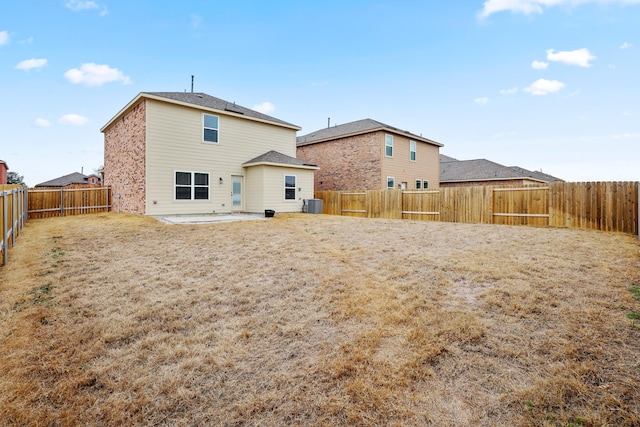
(314, 206)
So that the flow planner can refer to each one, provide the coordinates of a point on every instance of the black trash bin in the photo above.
(268, 213)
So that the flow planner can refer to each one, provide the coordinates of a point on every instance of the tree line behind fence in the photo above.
(606, 206)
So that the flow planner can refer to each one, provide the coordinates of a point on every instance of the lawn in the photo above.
(113, 319)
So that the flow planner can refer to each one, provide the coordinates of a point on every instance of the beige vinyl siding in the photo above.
(266, 185)
(175, 143)
(425, 167)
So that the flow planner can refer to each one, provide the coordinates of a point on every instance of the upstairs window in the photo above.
(425, 184)
(412, 151)
(192, 186)
(388, 145)
(418, 184)
(289, 187)
(210, 128)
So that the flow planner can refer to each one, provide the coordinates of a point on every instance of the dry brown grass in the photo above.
(317, 320)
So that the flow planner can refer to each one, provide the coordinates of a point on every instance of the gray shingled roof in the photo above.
(279, 158)
(452, 170)
(354, 128)
(536, 174)
(72, 178)
(208, 101)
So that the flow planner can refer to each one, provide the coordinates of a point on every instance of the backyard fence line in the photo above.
(606, 206)
(51, 202)
(13, 216)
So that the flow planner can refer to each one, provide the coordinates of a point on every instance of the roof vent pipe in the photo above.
(328, 122)
(192, 83)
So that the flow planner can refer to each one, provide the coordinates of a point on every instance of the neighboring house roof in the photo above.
(278, 159)
(453, 170)
(4, 163)
(63, 181)
(204, 101)
(444, 158)
(355, 128)
(537, 174)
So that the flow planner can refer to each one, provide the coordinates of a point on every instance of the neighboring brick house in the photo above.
(191, 153)
(460, 173)
(3, 172)
(370, 155)
(75, 179)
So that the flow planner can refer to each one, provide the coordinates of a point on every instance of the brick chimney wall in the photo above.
(3, 172)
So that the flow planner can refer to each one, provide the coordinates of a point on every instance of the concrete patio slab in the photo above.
(209, 218)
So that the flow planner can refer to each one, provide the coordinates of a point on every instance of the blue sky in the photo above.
(548, 85)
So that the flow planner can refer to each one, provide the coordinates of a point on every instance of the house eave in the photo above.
(281, 165)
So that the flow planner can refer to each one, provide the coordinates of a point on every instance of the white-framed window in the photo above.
(191, 186)
(425, 184)
(412, 151)
(391, 183)
(210, 128)
(388, 145)
(418, 184)
(289, 187)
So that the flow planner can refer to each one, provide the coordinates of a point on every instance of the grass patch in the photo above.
(317, 320)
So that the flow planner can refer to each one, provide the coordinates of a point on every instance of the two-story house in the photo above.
(370, 155)
(191, 153)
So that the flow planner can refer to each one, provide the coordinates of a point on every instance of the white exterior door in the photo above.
(236, 193)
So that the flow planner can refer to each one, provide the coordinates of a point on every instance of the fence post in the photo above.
(14, 214)
(5, 241)
(61, 201)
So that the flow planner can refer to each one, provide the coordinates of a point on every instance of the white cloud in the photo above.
(626, 45)
(42, 123)
(510, 91)
(579, 57)
(26, 41)
(4, 37)
(543, 87)
(529, 7)
(73, 120)
(627, 136)
(96, 75)
(30, 64)
(196, 21)
(481, 101)
(264, 108)
(539, 65)
(79, 5)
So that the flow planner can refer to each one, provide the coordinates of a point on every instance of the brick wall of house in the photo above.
(506, 182)
(355, 162)
(3, 173)
(124, 160)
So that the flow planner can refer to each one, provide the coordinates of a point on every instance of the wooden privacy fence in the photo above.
(606, 206)
(50, 202)
(13, 216)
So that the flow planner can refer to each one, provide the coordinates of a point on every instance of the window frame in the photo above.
(205, 128)
(295, 182)
(418, 183)
(425, 184)
(413, 147)
(388, 144)
(192, 186)
(393, 183)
